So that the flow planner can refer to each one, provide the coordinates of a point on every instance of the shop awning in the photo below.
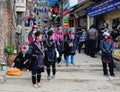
(67, 12)
(79, 3)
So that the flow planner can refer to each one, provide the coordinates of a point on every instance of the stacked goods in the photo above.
(116, 53)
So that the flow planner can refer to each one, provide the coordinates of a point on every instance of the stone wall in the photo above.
(6, 29)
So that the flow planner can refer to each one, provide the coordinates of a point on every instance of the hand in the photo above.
(46, 49)
(25, 62)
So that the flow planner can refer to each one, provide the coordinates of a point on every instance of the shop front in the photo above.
(82, 19)
(108, 11)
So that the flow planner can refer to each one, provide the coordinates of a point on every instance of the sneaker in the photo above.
(48, 77)
(39, 85)
(59, 64)
(35, 85)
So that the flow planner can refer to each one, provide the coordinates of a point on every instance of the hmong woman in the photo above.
(36, 53)
(70, 46)
(51, 54)
(60, 45)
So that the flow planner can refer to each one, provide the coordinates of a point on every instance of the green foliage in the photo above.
(8, 50)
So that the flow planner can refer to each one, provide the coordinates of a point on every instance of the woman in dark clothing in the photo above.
(70, 47)
(21, 61)
(51, 54)
(36, 53)
(60, 45)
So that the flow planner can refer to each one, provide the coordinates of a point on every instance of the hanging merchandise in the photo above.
(56, 10)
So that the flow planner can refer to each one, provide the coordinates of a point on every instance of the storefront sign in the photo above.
(104, 7)
(66, 22)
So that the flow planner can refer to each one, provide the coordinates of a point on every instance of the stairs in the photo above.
(44, 16)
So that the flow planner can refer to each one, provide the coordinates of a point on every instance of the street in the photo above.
(85, 76)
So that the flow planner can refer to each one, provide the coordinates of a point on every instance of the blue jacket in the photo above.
(107, 47)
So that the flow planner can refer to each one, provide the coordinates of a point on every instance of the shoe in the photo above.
(93, 56)
(106, 74)
(73, 64)
(113, 75)
(39, 85)
(59, 64)
(48, 77)
(35, 85)
(53, 77)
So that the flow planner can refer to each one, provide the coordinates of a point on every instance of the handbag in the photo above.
(14, 72)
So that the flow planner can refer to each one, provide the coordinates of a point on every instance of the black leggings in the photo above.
(53, 69)
(59, 58)
(36, 76)
(110, 65)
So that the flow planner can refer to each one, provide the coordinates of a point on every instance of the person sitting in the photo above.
(21, 61)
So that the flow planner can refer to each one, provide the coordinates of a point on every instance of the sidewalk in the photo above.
(84, 77)
(85, 69)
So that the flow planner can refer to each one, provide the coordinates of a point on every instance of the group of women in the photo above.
(46, 49)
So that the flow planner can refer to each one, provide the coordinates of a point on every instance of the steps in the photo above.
(72, 76)
(44, 16)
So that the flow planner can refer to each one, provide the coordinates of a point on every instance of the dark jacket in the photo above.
(60, 44)
(50, 52)
(30, 34)
(20, 59)
(69, 50)
(107, 46)
(36, 54)
(78, 32)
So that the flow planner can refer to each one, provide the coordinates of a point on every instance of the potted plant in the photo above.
(10, 55)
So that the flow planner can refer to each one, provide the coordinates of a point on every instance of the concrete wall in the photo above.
(113, 15)
(6, 29)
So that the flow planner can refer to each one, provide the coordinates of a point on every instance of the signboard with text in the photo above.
(104, 7)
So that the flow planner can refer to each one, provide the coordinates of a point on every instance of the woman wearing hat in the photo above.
(70, 46)
(21, 61)
(36, 54)
(60, 44)
(50, 48)
(107, 47)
